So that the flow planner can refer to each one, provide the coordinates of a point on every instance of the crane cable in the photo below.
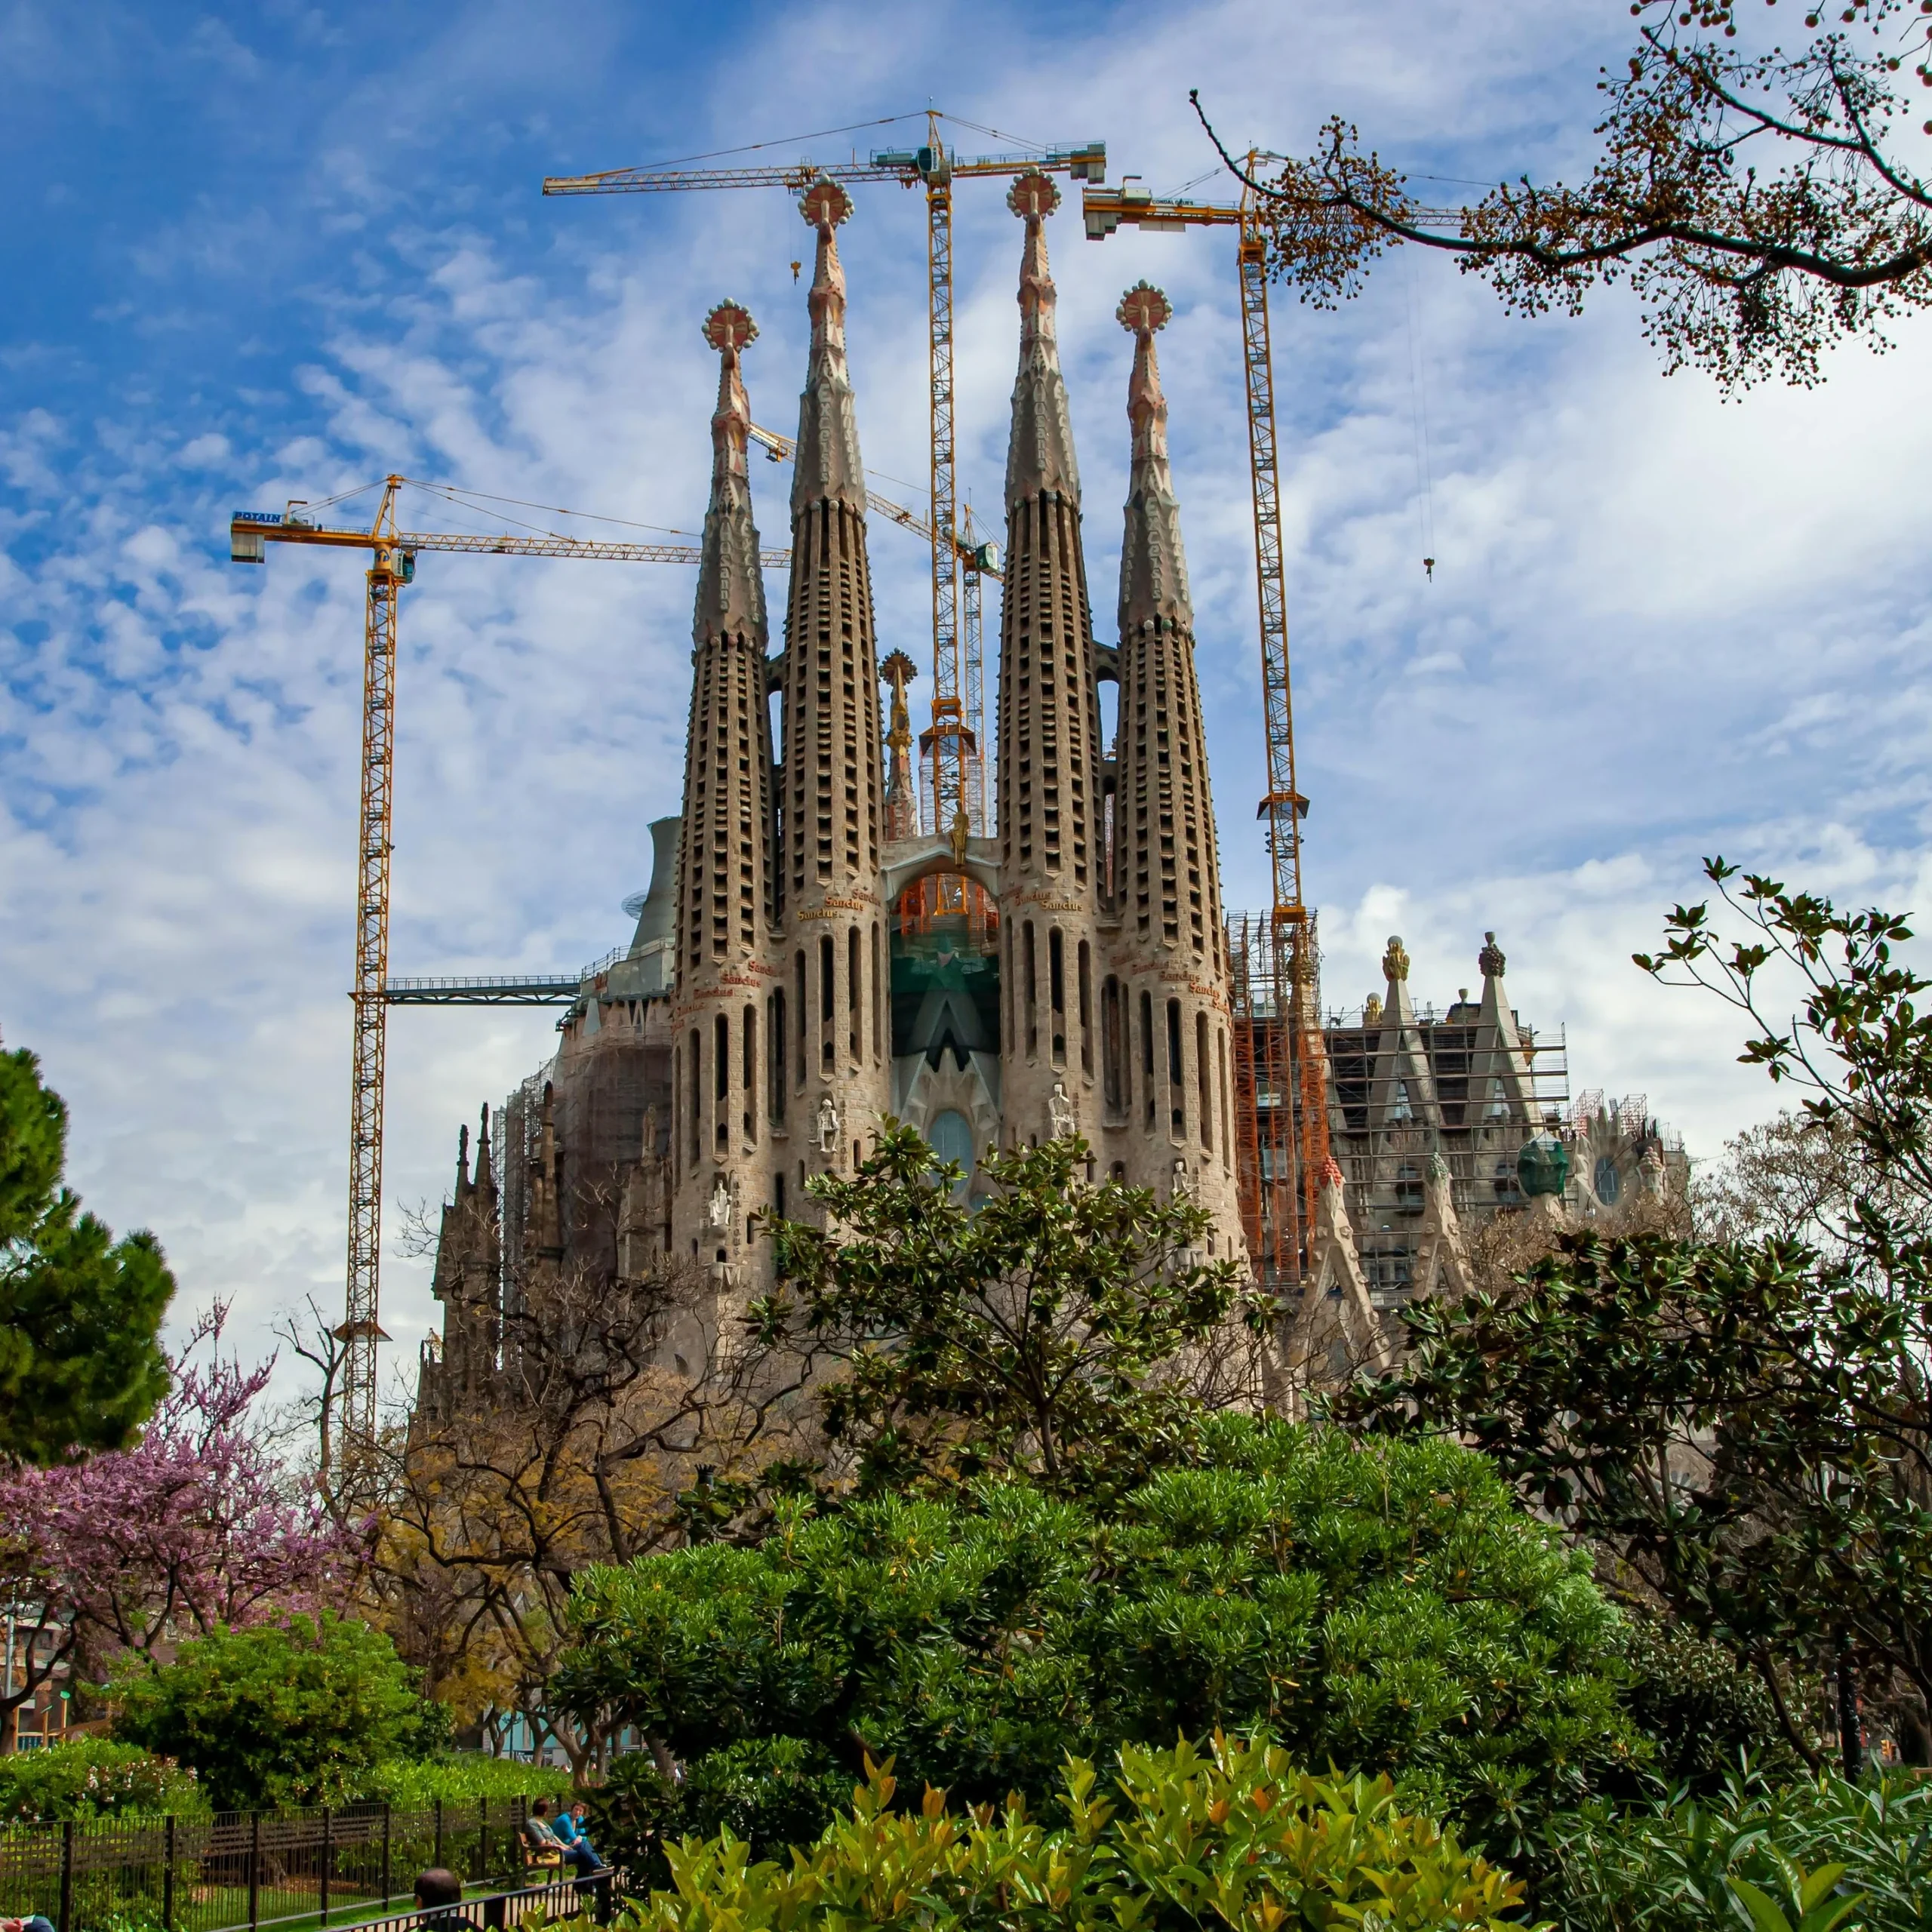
(1419, 420)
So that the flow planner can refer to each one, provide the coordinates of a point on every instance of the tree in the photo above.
(611, 1417)
(1757, 202)
(284, 1714)
(1058, 1329)
(192, 1529)
(1385, 1606)
(1730, 1424)
(1856, 1045)
(80, 1367)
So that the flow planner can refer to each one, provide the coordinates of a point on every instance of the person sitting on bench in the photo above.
(575, 1833)
(547, 1847)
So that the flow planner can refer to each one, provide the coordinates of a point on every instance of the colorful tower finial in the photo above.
(826, 464)
(1153, 569)
(1040, 456)
(730, 586)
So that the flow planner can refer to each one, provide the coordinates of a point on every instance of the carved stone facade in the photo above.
(783, 994)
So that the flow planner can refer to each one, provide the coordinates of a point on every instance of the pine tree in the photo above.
(80, 1366)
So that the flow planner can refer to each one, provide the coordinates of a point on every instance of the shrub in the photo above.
(94, 1778)
(1383, 1606)
(280, 1715)
(1677, 1864)
(414, 1784)
(1240, 1840)
(1703, 1711)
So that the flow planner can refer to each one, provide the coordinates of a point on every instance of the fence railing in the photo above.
(249, 1869)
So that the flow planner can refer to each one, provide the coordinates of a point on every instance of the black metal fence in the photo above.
(252, 1869)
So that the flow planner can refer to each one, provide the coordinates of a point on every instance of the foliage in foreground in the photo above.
(1385, 1608)
(279, 1715)
(1676, 1864)
(94, 1778)
(1241, 1839)
(80, 1366)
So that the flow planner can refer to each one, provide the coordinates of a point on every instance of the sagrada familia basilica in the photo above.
(796, 976)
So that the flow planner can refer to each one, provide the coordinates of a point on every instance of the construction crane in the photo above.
(392, 565)
(955, 739)
(1281, 1063)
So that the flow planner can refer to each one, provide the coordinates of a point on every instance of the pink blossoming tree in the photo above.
(197, 1525)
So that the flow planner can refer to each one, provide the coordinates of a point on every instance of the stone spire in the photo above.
(1050, 748)
(1502, 1090)
(833, 968)
(727, 888)
(1403, 1095)
(902, 803)
(1153, 566)
(1166, 953)
(827, 465)
(1040, 456)
(730, 587)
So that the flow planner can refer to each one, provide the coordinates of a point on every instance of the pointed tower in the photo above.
(1502, 1092)
(457, 1378)
(902, 802)
(1402, 1097)
(1049, 751)
(721, 1015)
(1167, 961)
(831, 782)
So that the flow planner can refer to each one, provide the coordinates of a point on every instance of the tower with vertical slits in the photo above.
(1167, 1073)
(1049, 735)
(726, 890)
(833, 1007)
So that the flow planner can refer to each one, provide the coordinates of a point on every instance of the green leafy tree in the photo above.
(1727, 1423)
(1384, 1607)
(81, 1364)
(1240, 1842)
(1756, 198)
(299, 1713)
(1059, 1330)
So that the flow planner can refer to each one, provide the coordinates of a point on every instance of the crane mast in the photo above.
(350, 1435)
(1281, 1070)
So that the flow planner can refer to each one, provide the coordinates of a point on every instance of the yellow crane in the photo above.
(393, 551)
(1284, 1113)
(392, 556)
(955, 739)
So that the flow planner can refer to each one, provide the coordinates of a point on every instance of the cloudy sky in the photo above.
(257, 253)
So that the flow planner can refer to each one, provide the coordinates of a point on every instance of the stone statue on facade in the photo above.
(1062, 1121)
(827, 1126)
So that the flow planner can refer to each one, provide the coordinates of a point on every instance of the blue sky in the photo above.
(257, 253)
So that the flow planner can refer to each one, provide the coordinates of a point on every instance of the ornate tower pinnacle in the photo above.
(1153, 571)
(826, 464)
(1040, 456)
(731, 589)
(902, 815)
